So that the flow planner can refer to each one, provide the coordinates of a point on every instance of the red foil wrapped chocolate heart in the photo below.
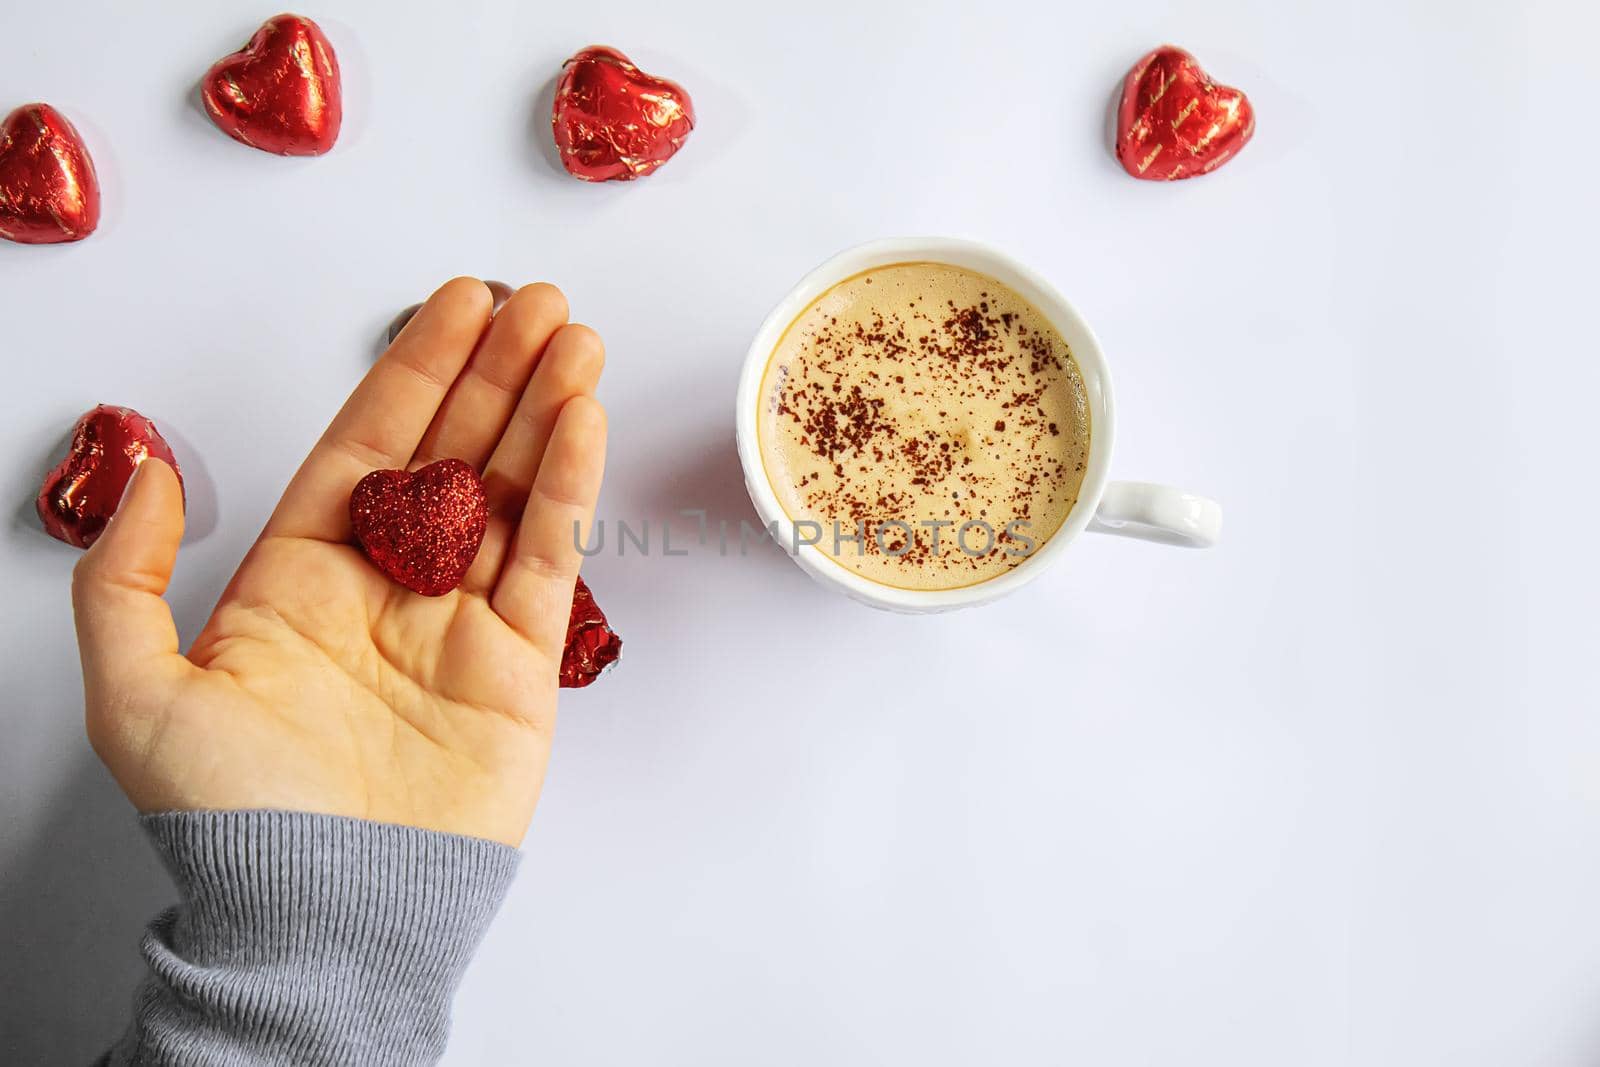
(613, 121)
(422, 528)
(592, 646)
(280, 92)
(48, 190)
(1174, 122)
(82, 492)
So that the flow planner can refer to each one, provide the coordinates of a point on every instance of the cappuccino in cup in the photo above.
(927, 425)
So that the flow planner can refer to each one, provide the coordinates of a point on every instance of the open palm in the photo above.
(320, 685)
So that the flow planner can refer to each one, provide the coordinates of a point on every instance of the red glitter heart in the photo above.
(592, 646)
(422, 528)
(48, 190)
(279, 93)
(613, 121)
(82, 492)
(1174, 122)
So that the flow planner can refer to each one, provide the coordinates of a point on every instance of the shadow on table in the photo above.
(546, 156)
(73, 902)
(704, 477)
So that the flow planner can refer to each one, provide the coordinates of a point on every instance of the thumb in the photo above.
(124, 627)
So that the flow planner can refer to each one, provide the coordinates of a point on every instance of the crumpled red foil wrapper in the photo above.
(1175, 122)
(281, 92)
(82, 492)
(49, 193)
(592, 646)
(614, 122)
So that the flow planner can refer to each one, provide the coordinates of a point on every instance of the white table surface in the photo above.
(1328, 794)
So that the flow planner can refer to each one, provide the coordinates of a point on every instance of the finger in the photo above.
(479, 406)
(125, 628)
(534, 593)
(570, 367)
(385, 418)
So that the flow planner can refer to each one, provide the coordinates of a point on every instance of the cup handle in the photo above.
(1158, 513)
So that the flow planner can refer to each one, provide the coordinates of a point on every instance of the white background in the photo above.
(1328, 794)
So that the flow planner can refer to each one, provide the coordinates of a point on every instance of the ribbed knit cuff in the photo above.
(310, 939)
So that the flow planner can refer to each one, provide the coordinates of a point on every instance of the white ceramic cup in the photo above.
(1132, 509)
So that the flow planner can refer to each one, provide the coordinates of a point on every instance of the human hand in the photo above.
(318, 684)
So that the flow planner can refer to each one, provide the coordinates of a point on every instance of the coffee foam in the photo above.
(932, 411)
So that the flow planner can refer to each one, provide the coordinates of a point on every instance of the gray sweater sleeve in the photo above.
(308, 939)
